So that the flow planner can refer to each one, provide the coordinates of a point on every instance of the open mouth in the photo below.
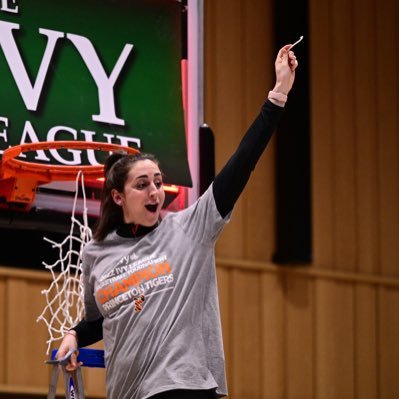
(152, 207)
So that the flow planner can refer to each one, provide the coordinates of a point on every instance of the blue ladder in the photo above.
(73, 381)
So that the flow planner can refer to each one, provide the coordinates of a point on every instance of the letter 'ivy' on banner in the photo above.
(94, 70)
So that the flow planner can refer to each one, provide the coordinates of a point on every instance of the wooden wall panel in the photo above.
(322, 176)
(273, 344)
(334, 336)
(388, 346)
(365, 324)
(26, 338)
(366, 139)
(227, 122)
(288, 333)
(299, 339)
(355, 145)
(387, 102)
(259, 219)
(23, 339)
(354, 213)
(245, 334)
(238, 92)
(343, 142)
(34, 306)
(18, 344)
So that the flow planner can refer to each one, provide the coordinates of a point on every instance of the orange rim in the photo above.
(12, 167)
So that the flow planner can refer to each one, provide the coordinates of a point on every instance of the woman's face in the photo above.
(143, 194)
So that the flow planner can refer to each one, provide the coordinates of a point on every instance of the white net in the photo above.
(64, 297)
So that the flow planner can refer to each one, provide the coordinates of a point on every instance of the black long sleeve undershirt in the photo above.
(227, 188)
(89, 332)
(230, 182)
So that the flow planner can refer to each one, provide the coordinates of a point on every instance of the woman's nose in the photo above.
(153, 189)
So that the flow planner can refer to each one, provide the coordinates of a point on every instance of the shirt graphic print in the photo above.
(134, 280)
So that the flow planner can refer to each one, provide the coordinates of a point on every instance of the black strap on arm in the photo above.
(231, 180)
(89, 332)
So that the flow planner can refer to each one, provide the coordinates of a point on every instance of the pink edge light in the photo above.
(171, 188)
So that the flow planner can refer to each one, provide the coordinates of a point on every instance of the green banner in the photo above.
(94, 70)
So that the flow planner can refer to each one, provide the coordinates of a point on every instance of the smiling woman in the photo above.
(133, 193)
(143, 195)
(150, 286)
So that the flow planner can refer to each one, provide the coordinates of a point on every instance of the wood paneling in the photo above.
(343, 142)
(334, 339)
(366, 345)
(387, 103)
(388, 347)
(246, 334)
(273, 327)
(23, 339)
(227, 59)
(18, 344)
(258, 220)
(288, 333)
(323, 178)
(355, 145)
(299, 304)
(232, 102)
(366, 138)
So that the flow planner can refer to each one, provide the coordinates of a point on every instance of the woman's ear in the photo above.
(117, 197)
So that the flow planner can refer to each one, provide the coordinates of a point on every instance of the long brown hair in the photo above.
(116, 170)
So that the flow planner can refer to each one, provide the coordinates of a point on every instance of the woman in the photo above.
(150, 283)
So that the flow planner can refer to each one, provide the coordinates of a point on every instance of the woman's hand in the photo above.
(285, 66)
(69, 342)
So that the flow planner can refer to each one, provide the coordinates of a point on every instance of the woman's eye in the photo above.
(158, 184)
(141, 186)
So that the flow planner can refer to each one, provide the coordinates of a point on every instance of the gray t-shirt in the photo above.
(158, 296)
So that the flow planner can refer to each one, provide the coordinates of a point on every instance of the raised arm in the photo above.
(231, 180)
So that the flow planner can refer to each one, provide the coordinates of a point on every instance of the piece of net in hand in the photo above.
(64, 297)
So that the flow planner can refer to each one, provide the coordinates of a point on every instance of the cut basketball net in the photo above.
(298, 41)
(18, 182)
(64, 297)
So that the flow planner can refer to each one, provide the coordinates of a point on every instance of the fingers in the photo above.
(286, 48)
(293, 62)
(73, 363)
(73, 366)
(287, 57)
(282, 54)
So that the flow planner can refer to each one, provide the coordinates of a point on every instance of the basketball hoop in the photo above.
(19, 179)
(64, 296)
